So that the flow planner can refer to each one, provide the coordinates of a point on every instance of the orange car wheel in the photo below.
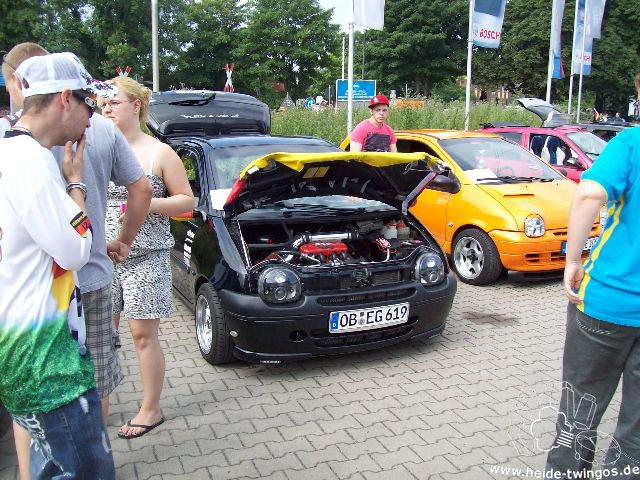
(475, 257)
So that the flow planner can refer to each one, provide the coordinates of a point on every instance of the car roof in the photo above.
(244, 140)
(448, 134)
(561, 128)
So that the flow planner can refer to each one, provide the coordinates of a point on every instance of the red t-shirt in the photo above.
(373, 138)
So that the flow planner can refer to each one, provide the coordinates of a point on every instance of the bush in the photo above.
(332, 125)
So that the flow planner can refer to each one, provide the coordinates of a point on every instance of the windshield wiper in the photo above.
(513, 179)
(316, 208)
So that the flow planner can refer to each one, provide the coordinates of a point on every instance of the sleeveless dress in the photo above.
(142, 283)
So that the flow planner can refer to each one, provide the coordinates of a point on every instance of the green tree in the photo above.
(20, 21)
(209, 38)
(422, 44)
(287, 41)
(521, 61)
(616, 57)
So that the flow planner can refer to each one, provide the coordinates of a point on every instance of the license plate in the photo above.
(588, 245)
(368, 318)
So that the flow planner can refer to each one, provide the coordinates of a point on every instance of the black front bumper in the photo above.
(264, 332)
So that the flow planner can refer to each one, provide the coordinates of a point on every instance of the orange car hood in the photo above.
(550, 200)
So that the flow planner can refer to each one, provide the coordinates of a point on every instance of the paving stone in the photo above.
(348, 468)
(286, 462)
(396, 473)
(313, 458)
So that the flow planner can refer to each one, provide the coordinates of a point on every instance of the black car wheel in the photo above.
(211, 329)
(475, 257)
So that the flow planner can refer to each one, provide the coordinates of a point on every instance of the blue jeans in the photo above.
(70, 442)
(596, 355)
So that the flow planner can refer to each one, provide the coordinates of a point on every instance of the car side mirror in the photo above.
(572, 162)
(445, 183)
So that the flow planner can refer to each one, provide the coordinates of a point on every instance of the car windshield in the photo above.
(496, 160)
(230, 161)
(328, 205)
(589, 143)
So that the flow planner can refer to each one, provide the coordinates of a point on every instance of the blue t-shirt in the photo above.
(611, 285)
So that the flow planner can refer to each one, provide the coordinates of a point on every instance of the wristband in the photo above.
(80, 186)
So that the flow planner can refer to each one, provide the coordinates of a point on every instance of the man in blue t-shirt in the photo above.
(603, 319)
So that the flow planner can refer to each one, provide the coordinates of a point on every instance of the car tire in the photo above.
(475, 258)
(213, 338)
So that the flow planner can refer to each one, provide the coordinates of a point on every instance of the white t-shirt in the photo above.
(44, 237)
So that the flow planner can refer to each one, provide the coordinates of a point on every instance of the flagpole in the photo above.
(551, 53)
(573, 56)
(350, 74)
(584, 39)
(343, 39)
(467, 109)
(154, 45)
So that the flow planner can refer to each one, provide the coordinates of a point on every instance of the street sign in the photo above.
(308, 102)
(362, 90)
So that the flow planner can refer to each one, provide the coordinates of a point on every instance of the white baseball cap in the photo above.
(56, 72)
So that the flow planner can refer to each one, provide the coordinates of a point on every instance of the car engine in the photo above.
(337, 244)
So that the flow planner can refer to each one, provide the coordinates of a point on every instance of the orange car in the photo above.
(511, 210)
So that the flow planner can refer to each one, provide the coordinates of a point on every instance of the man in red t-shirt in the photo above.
(373, 134)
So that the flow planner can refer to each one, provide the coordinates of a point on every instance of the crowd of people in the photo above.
(85, 201)
(71, 171)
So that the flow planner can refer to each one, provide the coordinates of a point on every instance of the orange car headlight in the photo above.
(534, 226)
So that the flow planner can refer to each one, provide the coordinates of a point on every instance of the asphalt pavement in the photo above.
(459, 406)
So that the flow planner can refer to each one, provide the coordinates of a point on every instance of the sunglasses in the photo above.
(4, 59)
(90, 102)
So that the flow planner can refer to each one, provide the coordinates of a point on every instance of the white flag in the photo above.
(369, 13)
(488, 16)
(595, 12)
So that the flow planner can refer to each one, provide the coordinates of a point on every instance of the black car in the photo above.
(290, 255)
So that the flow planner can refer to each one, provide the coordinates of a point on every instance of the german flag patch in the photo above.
(81, 224)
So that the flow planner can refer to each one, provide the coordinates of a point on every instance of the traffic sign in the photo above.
(362, 90)
(308, 102)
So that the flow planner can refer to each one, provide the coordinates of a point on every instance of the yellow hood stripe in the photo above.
(297, 161)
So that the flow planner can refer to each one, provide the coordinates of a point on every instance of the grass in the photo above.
(332, 125)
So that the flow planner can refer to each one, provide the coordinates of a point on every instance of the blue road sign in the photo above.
(308, 102)
(362, 89)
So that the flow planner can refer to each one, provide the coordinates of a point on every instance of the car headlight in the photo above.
(603, 216)
(429, 269)
(279, 285)
(534, 226)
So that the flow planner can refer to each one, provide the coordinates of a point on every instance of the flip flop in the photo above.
(146, 429)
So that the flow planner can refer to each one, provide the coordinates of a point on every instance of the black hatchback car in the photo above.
(310, 252)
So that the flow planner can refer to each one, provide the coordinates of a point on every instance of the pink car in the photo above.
(569, 148)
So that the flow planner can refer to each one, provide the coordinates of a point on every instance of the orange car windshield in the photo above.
(499, 160)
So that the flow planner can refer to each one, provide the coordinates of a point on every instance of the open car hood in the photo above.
(393, 178)
(542, 109)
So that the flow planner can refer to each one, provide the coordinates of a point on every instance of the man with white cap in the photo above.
(45, 235)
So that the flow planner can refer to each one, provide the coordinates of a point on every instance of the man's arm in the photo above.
(393, 148)
(585, 206)
(138, 200)
(355, 146)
